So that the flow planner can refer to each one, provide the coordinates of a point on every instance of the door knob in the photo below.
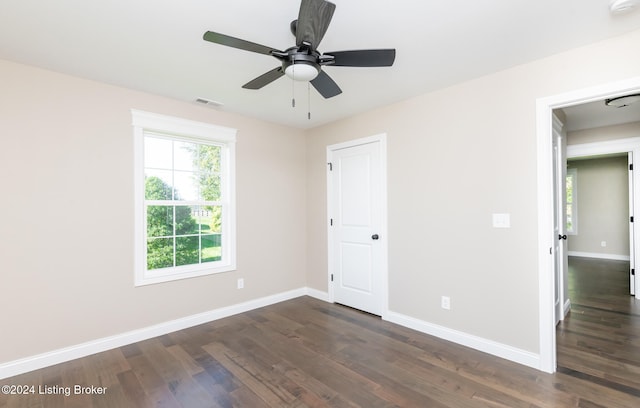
(375, 237)
(562, 236)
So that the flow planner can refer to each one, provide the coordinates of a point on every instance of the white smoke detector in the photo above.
(623, 6)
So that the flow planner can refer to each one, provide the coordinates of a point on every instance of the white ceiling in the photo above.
(597, 114)
(156, 46)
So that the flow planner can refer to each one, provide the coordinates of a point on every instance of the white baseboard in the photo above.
(315, 293)
(567, 307)
(612, 257)
(27, 364)
(516, 355)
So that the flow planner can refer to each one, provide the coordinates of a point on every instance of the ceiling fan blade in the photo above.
(313, 20)
(264, 79)
(229, 41)
(325, 85)
(363, 58)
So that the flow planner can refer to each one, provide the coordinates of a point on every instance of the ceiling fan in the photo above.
(303, 62)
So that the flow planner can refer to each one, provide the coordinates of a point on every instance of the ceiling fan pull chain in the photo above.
(309, 100)
(293, 88)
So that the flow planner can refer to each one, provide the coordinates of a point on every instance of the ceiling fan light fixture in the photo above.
(622, 101)
(623, 6)
(301, 71)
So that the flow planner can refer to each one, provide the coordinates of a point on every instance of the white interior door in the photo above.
(357, 256)
(559, 218)
(632, 266)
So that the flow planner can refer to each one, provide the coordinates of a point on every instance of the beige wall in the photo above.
(603, 206)
(66, 166)
(589, 240)
(456, 156)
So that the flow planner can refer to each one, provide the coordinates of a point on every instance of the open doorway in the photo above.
(547, 205)
(610, 194)
(596, 176)
(599, 279)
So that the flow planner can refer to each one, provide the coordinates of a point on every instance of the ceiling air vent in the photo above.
(209, 102)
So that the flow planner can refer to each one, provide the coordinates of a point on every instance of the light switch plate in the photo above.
(501, 220)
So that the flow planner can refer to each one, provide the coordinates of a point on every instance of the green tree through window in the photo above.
(185, 234)
(208, 157)
(572, 209)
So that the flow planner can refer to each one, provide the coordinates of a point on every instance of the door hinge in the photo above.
(330, 166)
(633, 272)
(631, 166)
(331, 277)
(631, 219)
(331, 221)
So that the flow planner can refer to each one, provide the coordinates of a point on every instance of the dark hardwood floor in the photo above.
(307, 353)
(599, 341)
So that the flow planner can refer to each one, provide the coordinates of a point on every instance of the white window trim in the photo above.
(573, 172)
(181, 128)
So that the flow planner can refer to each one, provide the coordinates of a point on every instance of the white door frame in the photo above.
(546, 273)
(383, 243)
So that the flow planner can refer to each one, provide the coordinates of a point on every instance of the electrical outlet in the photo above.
(446, 303)
(603, 244)
(240, 283)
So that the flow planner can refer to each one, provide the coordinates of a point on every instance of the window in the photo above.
(572, 203)
(184, 191)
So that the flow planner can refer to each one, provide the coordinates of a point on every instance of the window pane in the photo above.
(157, 185)
(184, 156)
(159, 221)
(157, 153)
(201, 215)
(159, 253)
(187, 250)
(211, 248)
(208, 159)
(210, 186)
(185, 222)
(186, 186)
(213, 218)
(571, 192)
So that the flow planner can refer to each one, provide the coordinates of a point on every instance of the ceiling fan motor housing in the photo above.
(301, 66)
